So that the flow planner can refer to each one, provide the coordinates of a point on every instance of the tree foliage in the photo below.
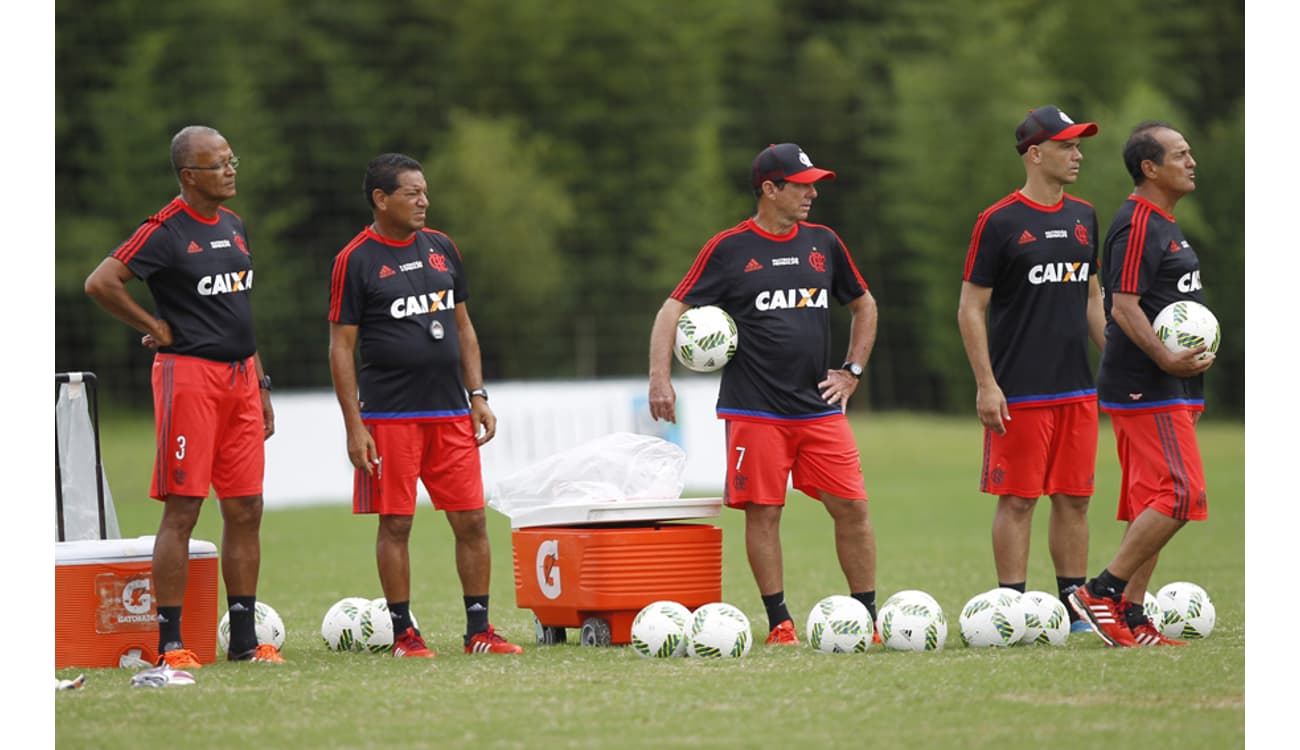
(581, 153)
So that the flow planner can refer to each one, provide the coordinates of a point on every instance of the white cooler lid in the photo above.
(617, 511)
(90, 551)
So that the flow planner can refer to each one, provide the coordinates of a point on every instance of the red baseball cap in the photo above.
(1049, 123)
(786, 161)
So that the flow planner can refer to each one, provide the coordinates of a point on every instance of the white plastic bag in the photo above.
(617, 466)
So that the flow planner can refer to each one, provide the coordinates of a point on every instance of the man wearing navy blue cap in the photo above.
(775, 274)
(1030, 302)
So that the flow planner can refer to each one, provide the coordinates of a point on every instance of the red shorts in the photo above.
(761, 456)
(1161, 465)
(1047, 450)
(208, 423)
(441, 455)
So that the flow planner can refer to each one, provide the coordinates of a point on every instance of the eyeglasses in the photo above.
(232, 162)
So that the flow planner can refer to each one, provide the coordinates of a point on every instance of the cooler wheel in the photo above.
(595, 632)
(548, 634)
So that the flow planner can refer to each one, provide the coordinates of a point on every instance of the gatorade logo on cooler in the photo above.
(548, 568)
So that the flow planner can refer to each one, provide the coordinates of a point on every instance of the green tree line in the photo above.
(580, 153)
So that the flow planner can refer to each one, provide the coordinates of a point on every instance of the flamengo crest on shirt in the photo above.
(780, 299)
(226, 283)
(405, 307)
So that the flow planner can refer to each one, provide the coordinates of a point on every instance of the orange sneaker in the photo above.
(411, 645)
(268, 653)
(1146, 634)
(1105, 615)
(488, 642)
(179, 658)
(783, 634)
(265, 652)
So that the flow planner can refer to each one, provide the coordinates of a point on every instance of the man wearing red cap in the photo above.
(1030, 301)
(781, 398)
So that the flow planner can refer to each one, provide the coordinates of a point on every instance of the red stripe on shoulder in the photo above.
(978, 232)
(339, 275)
(702, 259)
(127, 250)
(1137, 236)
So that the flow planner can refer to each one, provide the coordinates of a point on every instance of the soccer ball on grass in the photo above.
(839, 624)
(993, 618)
(706, 338)
(337, 629)
(912, 621)
(1187, 612)
(659, 630)
(373, 630)
(1046, 621)
(718, 631)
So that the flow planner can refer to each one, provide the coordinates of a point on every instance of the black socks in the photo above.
(243, 628)
(776, 609)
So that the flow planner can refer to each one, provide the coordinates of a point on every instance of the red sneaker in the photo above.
(1105, 615)
(783, 634)
(1146, 634)
(411, 645)
(488, 642)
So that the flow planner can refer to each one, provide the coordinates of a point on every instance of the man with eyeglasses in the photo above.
(212, 405)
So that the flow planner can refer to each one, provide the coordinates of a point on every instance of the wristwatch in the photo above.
(479, 392)
(853, 368)
(264, 383)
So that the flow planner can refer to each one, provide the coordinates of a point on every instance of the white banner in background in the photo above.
(307, 461)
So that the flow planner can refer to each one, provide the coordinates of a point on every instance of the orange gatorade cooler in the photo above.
(104, 605)
(598, 570)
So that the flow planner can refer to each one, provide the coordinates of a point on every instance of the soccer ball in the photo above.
(659, 630)
(912, 621)
(909, 594)
(336, 629)
(718, 630)
(373, 630)
(1187, 612)
(839, 624)
(993, 618)
(706, 338)
(1151, 608)
(1186, 325)
(266, 622)
(1046, 620)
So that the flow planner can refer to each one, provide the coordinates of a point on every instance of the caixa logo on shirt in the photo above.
(226, 283)
(1058, 273)
(1189, 282)
(781, 299)
(405, 307)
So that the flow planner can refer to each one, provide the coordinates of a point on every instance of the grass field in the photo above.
(933, 531)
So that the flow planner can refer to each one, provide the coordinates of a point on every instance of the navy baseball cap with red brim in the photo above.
(1049, 123)
(786, 161)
